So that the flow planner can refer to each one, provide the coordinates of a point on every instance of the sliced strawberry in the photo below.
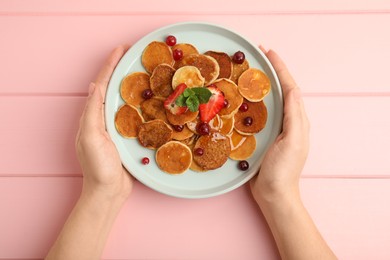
(170, 102)
(210, 109)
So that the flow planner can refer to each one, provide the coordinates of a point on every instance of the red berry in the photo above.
(170, 40)
(177, 54)
(145, 160)
(203, 128)
(178, 128)
(147, 94)
(238, 57)
(199, 151)
(244, 107)
(248, 121)
(243, 165)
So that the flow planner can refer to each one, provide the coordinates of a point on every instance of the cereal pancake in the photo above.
(238, 69)
(225, 63)
(155, 54)
(216, 149)
(189, 75)
(186, 48)
(127, 121)
(153, 134)
(257, 111)
(181, 119)
(254, 85)
(242, 147)
(174, 157)
(161, 80)
(153, 109)
(232, 95)
(207, 66)
(132, 87)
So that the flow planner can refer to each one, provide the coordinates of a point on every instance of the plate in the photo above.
(204, 36)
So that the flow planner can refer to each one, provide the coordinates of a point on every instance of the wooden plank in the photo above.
(345, 53)
(352, 214)
(349, 137)
(202, 6)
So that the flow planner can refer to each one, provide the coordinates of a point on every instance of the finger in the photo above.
(294, 122)
(264, 50)
(105, 73)
(286, 80)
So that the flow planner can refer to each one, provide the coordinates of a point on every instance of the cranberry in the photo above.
(248, 121)
(199, 151)
(178, 128)
(170, 40)
(177, 54)
(145, 160)
(243, 165)
(225, 103)
(147, 94)
(238, 57)
(244, 107)
(203, 128)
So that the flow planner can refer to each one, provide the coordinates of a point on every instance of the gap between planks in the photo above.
(203, 13)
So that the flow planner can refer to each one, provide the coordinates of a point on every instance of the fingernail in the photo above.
(91, 88)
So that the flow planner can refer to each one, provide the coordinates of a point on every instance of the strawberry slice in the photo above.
(170, 102)
(213, 106)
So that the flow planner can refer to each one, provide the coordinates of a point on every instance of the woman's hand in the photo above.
(106, 184)
(283, 163)
(98, 156)
(276, 187)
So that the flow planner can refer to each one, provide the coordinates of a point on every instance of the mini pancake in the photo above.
(127, 121)
(156, 53)
(153, 109)
(132, 87)
(183, 135)
(154, 133)
(233, 96)
(190, 75)
(238, 69)
(216, 150)
(225, 63)
(186, 48)
(254, 85)
(174, 157)
(258, 112)
(215, 124)
(207, 66)
(161, 80)
(181, 119)
(242, 147)
(227, 125)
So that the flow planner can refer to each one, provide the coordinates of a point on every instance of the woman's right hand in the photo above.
(283, 163)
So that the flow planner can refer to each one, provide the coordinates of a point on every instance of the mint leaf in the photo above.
(188, 92)
(203, 94)
(181, 101)
(192, 103)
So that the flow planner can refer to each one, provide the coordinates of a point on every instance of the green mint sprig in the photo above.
(193, 97)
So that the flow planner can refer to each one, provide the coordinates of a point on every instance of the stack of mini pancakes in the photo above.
(174, 137)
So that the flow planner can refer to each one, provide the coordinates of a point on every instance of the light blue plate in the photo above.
(204, 37)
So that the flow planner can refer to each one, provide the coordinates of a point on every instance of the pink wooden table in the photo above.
(339, 53)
